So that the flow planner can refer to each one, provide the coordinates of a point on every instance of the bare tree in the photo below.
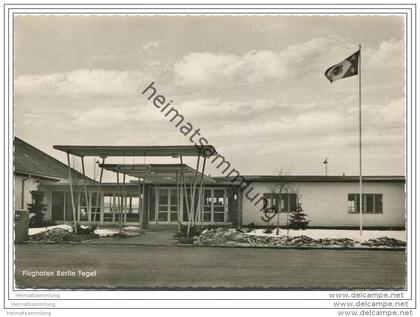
(280, 199)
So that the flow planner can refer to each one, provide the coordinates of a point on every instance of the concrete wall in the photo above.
(30, 184)
(327, 204)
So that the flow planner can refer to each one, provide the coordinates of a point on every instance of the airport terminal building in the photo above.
(171, 194)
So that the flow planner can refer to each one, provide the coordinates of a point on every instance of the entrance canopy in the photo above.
(109, 150)
(179, 174)
(159, 173)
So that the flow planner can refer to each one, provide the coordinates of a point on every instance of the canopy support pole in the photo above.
(124, 203)
(200, 197)
(183, 185)
(194, 186)
(87, 201)
(143, 190)
(119, 198)
(99, 191)
(178, 202)
(140, 211)
(71, 194)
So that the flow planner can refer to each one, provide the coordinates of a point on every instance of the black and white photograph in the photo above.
(211, 152)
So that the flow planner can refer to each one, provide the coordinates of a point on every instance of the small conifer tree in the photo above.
(37, 209)
(297, 220)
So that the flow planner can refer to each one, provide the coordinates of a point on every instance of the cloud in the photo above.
(385, 119)
(271, 27)
(218, 112)
(104, 57)
(151, 47)
(389, 54)
(83, 81)
(217, 69)
(146, 48)
(295, 63)
(270, 127)
(275, 104)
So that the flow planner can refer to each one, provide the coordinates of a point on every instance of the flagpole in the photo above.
(360, 142)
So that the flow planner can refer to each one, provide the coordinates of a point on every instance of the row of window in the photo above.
(62, 210)
(163, 205)
(371, 203)
(281, 202)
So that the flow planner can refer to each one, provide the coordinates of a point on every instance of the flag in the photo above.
(348, 67)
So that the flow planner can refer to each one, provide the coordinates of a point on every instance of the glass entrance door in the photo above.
(215, 205)
(167, 207)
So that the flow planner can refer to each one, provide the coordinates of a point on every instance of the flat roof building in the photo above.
(169, 194)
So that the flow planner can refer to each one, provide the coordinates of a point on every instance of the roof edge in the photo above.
(308, 178)
(57, 160)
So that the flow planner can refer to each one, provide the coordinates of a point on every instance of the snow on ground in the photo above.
(109, 231)
(335, 234)
(33, 231)
(102, 231)
(131, 228)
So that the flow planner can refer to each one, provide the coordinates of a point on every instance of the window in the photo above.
(132, 212)
(163, 200)
(207, 205)
(83, 206)
(109, 207)
(282, 202)
(152, 204)
(68, 208)
(165, 205)
(57, 206)
(215, 205)
(187, 203)
(219, 205)
(371, 204)
(95, 207)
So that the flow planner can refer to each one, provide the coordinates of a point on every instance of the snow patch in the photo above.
(32, 231)
(110, 231)
(335, 234)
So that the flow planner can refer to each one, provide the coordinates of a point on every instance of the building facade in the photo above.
(329, 201)
(34, 168)
(111, 204)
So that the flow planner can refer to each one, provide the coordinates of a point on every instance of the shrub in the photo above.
(209, 227)
(85, 229)
(250, 227)
(194, 231)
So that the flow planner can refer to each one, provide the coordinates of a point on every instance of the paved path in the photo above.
(137, 266)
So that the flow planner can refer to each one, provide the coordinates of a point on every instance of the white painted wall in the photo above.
(30, 184)
(326, 204)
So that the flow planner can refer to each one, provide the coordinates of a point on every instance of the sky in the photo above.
(254, 85)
